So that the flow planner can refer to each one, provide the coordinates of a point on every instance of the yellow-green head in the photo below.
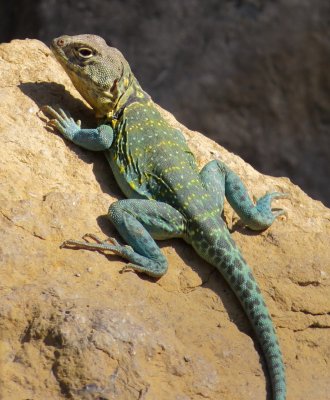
(99, 72)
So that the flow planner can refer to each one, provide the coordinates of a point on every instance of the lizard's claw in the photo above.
(278, 195)
(262, 215)
(130, 267)
(63, 122)
(279, 211)
(109, 244)
(110, 240)
(92, 236)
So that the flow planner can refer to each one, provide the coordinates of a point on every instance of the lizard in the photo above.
(167, 195)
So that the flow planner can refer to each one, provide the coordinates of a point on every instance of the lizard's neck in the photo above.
(129, 91)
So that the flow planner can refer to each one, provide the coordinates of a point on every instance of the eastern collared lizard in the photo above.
(167, 196)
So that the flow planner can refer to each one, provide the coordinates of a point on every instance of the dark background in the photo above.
(253, 75)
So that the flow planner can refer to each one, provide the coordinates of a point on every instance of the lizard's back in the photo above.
(150, 159)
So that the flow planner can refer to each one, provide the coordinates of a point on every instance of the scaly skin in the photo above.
(167, 196)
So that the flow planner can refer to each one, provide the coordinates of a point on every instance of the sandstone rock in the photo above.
(73, 326)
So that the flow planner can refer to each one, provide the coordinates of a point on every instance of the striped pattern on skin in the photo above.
(167, 196)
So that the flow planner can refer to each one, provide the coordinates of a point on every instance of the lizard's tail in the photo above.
(221, 251)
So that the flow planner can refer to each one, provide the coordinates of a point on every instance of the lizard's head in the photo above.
(99, 72)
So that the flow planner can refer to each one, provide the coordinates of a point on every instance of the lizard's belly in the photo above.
(130, 182)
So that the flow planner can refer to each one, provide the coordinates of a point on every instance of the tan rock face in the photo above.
(73, 326)
(253, 75)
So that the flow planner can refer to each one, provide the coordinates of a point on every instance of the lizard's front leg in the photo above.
(139, 222)
(97, 139)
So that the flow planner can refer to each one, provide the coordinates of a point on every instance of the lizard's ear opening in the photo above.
(114, 87)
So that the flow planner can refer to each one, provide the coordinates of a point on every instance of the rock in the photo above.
(251, 74)
(72, 326)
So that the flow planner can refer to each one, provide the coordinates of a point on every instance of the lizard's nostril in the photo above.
(60, 42)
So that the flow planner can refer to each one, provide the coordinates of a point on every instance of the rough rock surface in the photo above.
(72, 326)
(251, 74)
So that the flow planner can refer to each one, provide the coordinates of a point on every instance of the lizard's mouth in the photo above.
(57, 47)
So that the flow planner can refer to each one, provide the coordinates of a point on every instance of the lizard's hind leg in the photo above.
(139, 222)
(214, 182)
(221, 181)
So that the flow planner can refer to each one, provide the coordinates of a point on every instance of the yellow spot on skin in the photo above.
(114, 123)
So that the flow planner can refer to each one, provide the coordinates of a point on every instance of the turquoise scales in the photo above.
(167, 196)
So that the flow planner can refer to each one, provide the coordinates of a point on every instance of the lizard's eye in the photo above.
(85, 52)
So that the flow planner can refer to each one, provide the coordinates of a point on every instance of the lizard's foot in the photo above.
(130, 267)
(110, 240)
(62, 122)
(262, 215)
(109, 244)
(138, 263)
